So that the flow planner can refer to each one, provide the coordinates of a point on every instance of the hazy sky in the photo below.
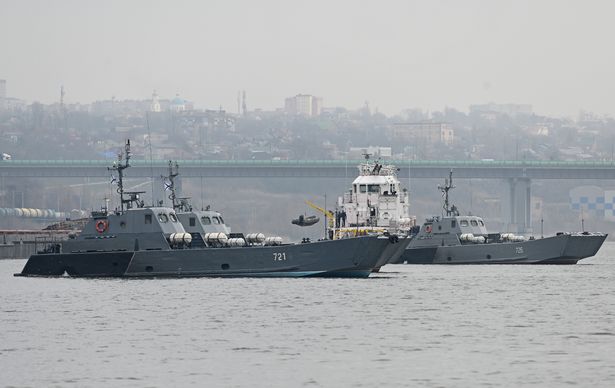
(557, 55)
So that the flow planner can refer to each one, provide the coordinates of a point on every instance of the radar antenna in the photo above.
(448, 185)
(375, 169)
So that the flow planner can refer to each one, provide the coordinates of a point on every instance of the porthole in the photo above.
(449, 258)
(225, 266)
(149, 268)
(488, 256)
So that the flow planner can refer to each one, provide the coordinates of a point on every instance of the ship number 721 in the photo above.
(277, 256)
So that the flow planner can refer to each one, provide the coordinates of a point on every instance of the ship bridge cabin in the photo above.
(376, 199)
(147, 228)
(456, 224)
(140, 220)
(203, 221)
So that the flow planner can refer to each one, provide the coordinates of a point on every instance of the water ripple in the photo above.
(428, 326)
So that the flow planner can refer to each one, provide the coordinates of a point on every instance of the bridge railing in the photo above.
(304, 163)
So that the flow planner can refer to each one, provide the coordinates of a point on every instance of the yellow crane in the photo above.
(328, 214)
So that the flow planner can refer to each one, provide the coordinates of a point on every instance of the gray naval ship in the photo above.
(456, 239)
(210, 223)
(157, 241)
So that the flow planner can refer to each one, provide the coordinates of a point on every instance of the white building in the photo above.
(155, 107)
(303, 105)
(178, 104)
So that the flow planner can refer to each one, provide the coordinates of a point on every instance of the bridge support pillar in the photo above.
(519, 205)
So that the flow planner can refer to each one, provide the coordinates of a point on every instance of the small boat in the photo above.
(305, 220)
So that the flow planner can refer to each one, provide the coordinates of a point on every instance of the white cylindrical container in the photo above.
(236, 242)
(466, 237)
(216, 238)
(273, 240)
(255, 238)
(186, 238)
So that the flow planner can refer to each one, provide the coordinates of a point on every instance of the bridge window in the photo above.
(163, 217)
(173, 217)
(148, 218)
(363, 188)
(463, 223)
(481, 222)
(221, 220)
(355, 189)
(192, 221)
(216, 220)
(206, 220)
(373, 188)
(473, 222)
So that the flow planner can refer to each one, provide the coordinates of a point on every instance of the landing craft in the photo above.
(305, 220)
(140, 241)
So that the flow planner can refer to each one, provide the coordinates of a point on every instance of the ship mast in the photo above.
(120, 166)
(173, 172)
(448, 185)
(179, 203)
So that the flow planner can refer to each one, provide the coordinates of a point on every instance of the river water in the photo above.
(428, 326)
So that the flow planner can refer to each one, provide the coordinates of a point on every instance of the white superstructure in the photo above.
(376, 199)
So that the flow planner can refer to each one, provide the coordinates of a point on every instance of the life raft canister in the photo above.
(428, 228)
(101, 226)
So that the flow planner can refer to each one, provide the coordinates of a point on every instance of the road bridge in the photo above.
(315, 168)
(518, 174)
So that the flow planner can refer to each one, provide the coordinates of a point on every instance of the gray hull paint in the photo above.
(394, 253)
(560, 249)
(355, 257)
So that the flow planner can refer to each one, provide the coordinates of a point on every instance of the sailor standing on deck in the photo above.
(338, 216)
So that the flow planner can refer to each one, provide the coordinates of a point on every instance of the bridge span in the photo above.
(518, 174)
(315, 168)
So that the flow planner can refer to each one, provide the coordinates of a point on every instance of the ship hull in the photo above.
(354, 257)
(394, 252)
(560, 249)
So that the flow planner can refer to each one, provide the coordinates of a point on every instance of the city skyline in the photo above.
(396, 55)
